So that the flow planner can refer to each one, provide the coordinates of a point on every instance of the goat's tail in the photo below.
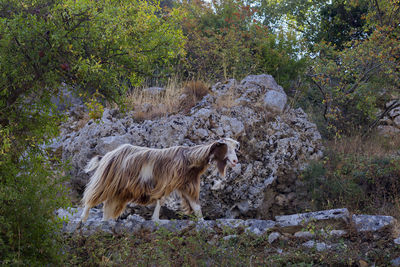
(95, 187)
(93, 164)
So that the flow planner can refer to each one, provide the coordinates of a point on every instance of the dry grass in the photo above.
(362, 174)
(226, 101)
(193, 92)
(374, 145)
(175, 98)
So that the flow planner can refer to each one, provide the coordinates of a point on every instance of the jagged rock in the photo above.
(397, 241)
(296, 221)
(396, 121)
(394, 112)
(230, 223)
(135, 223)
(261, 82)
(259, 227)
(319, 246)
(395, 262)
(365, 223)
(387, 130)
(390, 124)
(304, 234)
(338, 233)
(222, 88)
(271, 147)
(273, 237)
(275, 101)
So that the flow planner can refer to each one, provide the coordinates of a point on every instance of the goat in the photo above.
(147, 175)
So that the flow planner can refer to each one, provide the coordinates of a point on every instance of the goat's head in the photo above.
(223, 152)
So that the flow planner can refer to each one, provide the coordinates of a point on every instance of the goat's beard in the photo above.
(221, 166)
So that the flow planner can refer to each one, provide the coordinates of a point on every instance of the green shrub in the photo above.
(30, 191)
(92, 46)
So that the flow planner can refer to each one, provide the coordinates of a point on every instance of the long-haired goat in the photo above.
(145, 175)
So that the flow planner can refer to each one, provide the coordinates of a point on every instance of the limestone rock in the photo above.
(396, 121)
(259, 227)
(319, 246)
(303, 218)
(387, 130)
(304, 234)
(263, 81)
(275, 101)
(395, 262)
(271, 147)
(337, 233)
(394, 112)
(366, 223)
(273, 237)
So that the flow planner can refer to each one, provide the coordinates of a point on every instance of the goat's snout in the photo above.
(233, 162)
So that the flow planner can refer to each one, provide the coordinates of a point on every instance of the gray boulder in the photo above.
(273, 147)
(374, 223)
(275, 101)
(296, 222)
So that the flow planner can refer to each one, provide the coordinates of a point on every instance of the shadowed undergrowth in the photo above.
(192, 248)
(362, 175)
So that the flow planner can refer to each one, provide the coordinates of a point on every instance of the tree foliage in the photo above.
(93, 46)
(336, 21)
(355, 80)
(225, 40)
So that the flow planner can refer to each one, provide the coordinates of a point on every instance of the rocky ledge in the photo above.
(335, 222)
(276, 142)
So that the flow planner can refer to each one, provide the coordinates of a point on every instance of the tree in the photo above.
(226, 40)
(103, 46)
(356, 80)
(335, 22)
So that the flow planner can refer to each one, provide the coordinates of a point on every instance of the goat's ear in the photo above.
(218, 151)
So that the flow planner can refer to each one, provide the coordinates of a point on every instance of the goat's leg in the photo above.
(194, 205)
(85, 213)
(196, 208)
(156, 213)
(109, 208)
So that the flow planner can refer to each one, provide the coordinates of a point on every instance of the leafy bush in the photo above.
(31, 190)
(356, 81)
(92, 46)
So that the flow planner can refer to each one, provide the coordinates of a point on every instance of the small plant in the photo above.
(95, 108)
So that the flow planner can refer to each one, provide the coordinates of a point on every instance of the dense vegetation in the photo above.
(193, 248)
(337, 59)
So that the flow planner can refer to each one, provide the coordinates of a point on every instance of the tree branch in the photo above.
(394, 105)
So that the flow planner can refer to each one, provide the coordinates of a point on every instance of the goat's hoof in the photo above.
(79, 226)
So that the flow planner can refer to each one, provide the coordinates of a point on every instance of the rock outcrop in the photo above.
(338, 221)
(390, 124)
(276, 142)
